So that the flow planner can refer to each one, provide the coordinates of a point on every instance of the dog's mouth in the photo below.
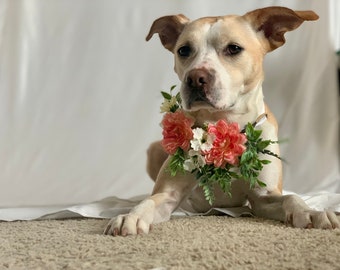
(196, 102)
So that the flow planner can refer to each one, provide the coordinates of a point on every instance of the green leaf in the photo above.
(252, 133)
(172, 87)
(166, 95)
(208, 192)
(246, 157)
(174, 108)
(261, 145)
(176, 162)
(265, 162)
(261, 184)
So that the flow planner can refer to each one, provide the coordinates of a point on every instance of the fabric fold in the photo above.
(113, 206)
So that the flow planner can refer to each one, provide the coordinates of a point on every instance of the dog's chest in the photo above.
(196, 201)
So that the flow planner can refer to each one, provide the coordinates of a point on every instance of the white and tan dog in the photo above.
(219, 61)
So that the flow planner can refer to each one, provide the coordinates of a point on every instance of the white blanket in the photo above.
(113, 206)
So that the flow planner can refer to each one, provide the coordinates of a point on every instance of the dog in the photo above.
(219, 61)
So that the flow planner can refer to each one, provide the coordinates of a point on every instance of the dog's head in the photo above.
(219, 59)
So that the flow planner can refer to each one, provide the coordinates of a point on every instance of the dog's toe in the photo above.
(129, 226)
(334, 219)
(114, 226)
(321, 220)
(143, 227)
(314, 219)
(125, 225)
(300, 219)
(325, 220)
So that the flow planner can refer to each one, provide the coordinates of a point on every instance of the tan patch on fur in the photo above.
(271, 119)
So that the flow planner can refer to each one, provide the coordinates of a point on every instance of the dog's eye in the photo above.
(233, 49)
(184, 51)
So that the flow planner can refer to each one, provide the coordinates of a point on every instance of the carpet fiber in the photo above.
(214, 242)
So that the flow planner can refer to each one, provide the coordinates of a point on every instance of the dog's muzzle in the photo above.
(198, 86)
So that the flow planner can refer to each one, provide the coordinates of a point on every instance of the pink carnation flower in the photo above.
(228, 145)
(177, 131)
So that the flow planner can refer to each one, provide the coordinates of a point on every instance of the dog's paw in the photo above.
(313, 219)
(129, 224)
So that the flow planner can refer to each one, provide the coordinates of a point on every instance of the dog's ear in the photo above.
(274, 22)
(168, 28)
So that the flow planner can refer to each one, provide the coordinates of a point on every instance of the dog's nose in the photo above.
(199, 79)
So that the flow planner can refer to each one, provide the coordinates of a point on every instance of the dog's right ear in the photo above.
(168, 28)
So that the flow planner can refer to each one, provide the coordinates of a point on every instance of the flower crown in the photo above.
(216, 153)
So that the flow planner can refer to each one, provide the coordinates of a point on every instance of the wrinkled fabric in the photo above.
(80, 96)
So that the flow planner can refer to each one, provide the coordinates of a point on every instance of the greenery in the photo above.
(168, 97)
(248, 169)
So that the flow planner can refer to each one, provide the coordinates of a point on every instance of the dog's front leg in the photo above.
(292, 210)
(154, 209)
(167, 195)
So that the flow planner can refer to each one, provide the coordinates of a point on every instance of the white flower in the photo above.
(202, 141)
(208, 144)
(168, 104)
(200, 161)
(195, 161)
(197, 138)
(189, 165)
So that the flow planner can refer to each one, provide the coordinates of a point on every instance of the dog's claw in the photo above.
(309, 226)
(289, 220)
(125, 225)
(124, 232)
(107, 229)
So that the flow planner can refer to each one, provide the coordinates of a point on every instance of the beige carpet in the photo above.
(183, 243)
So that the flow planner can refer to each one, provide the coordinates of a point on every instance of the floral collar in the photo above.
(216, 153)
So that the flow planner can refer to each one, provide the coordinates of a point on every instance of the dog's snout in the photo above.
(198, 79)
(199, 83)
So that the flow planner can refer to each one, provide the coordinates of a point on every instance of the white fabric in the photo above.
(79, 96)
(113, 206)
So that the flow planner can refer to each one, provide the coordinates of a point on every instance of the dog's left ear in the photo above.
(168, 28)
(274, 22)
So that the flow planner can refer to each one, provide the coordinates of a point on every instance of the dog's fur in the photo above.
(219, 61)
